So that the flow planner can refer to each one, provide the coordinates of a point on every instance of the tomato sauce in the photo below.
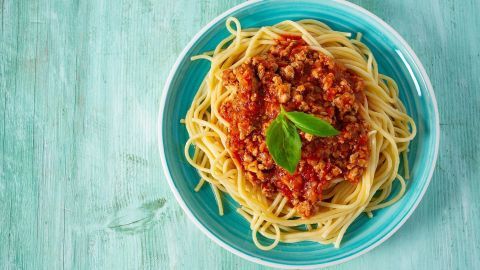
(300, 79)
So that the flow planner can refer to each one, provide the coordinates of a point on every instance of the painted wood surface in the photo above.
(81, 185)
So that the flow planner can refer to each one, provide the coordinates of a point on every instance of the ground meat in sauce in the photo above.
(300, 79)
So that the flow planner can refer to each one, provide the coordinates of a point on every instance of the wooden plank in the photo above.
(20, 166)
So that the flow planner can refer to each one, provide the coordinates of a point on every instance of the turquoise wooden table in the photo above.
(81, 185)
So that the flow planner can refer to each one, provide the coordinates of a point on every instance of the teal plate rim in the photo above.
(207, 232)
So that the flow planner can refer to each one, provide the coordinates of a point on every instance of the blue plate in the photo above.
(231, 231)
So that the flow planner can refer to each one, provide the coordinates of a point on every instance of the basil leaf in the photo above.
(284, 143)
(311, 124)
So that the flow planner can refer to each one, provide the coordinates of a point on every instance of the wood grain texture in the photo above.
(81, 185)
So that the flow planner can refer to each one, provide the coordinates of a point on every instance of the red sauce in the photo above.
(300, 79)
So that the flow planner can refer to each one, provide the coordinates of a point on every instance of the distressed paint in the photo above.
(81, 186)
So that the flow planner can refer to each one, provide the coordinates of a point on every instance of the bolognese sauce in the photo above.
(298, 78)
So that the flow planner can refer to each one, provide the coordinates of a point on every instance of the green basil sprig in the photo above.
(283, 141)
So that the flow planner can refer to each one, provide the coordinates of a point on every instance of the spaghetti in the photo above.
(274, 216)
